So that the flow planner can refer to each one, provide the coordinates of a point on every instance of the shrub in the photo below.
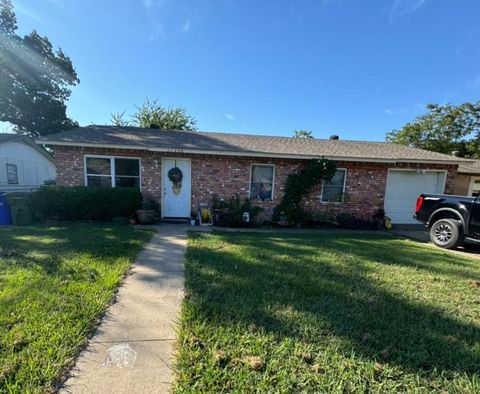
(379, 218)
(233, 210)
(84, 203)
(352, 222)
(149, 204)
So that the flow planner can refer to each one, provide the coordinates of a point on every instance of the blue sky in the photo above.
(353, 68)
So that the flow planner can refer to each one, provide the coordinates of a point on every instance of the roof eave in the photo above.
(247, 153)
(471, 173)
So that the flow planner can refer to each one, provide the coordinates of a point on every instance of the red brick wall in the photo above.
(227, 176)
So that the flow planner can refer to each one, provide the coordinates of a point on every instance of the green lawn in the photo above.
(55, 282)
(327, 313)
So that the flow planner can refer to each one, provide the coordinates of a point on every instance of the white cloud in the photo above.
(231, 117)
(155, 18)
(403, 8)
(186, 27)
(158, 13)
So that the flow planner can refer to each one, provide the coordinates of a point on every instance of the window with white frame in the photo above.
(112, 171)
(334, 190)
(12, 174)
(261, 181)
(475, 188)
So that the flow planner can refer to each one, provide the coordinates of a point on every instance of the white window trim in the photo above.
(343, 189)
(16, 173)
(472, 183)
(250, 181)
(112, 168)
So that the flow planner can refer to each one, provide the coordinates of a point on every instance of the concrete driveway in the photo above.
(419, 233)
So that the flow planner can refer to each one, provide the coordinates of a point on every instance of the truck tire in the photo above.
(446, 233)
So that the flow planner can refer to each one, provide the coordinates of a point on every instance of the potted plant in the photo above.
(283, 220)
(148, 212)
(193, 218)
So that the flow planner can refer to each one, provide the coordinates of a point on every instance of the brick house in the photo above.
(372, 174)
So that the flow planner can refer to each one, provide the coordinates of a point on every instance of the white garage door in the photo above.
(403, 189)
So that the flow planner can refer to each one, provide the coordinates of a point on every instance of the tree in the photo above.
(35, 80)
(118, 119)
(444, 128)
(152, 113)
(302, 134)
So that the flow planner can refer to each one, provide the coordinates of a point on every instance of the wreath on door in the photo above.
(175, 176)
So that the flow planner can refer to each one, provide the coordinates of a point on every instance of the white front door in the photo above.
(176, 195)
(403, 189)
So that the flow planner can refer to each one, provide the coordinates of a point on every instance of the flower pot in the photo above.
(146, 216)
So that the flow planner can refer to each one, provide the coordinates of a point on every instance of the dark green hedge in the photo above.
(84, 203)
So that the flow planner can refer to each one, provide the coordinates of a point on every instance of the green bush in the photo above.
(353, 222)
(232, 211)
(149, 204)
(84, 203)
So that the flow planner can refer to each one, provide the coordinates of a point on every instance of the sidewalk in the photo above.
(131, 352)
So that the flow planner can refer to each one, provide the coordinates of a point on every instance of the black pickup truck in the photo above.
(451, 219)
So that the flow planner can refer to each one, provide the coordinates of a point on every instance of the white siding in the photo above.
(33, 167)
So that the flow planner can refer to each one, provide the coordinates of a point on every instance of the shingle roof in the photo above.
(473, 168)
(241, 144)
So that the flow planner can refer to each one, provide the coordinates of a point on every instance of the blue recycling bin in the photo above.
(5, 216)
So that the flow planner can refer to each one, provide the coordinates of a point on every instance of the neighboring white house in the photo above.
(24, 165)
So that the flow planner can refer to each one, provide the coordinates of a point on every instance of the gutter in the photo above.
(253, 153)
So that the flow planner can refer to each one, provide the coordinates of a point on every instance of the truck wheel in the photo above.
(446, 233)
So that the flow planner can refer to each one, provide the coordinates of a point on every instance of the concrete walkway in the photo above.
(131, 352)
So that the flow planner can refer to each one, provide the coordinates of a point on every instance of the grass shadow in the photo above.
(383, 299)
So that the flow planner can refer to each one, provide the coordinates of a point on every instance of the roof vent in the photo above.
(154, 126)
(334, 137)
(455, 153)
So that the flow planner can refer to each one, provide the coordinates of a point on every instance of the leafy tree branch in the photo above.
(35, 80)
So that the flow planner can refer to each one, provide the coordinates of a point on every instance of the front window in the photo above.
(99, 171)
(261, 182)
(127, 173)
(12, 174)
(333, 191)
(112, 172)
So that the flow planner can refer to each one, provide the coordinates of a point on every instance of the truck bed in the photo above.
(434, 202)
